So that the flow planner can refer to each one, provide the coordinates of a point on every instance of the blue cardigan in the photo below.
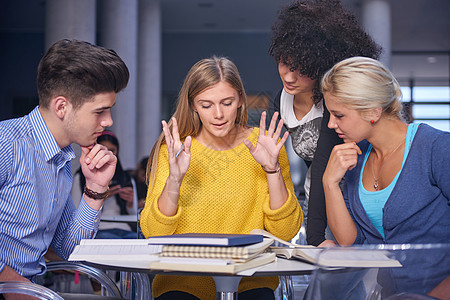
(418, 209)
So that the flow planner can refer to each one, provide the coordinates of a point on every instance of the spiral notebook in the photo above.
(234, 252)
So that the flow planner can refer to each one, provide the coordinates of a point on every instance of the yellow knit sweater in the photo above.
(222, 192)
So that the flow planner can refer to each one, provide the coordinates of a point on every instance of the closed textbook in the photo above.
(212, 265)
(206, 239)
(233, 252)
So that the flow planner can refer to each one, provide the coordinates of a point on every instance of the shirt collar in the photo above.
(46, 140)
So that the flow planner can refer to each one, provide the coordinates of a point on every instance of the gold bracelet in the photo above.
(277, 170)
(94, 195)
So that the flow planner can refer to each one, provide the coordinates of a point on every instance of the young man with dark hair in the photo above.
(77, 84)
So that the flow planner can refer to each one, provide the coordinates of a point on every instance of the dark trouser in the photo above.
(255, 294)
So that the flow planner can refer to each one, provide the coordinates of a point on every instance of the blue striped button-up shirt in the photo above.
(36, 209)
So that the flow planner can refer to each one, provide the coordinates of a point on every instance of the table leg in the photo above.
(227, 287)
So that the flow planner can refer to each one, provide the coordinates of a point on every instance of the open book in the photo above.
(305, 253)
(345, 257)
(211, 265)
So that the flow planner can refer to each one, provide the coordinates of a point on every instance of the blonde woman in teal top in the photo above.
(396, 186)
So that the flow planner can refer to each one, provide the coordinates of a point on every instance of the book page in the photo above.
(339, 257)
(313, 254)
(271, 236)
(193, 260)
(118, 250)
(357, 258)
(114, 242)
(115, 252)
(307, 254)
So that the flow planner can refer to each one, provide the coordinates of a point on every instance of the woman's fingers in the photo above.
(279, 128)
(175, 134)
(273, 122)
(172, 139)
(187, 144)
(274, 130)
(283, 140)
(262, 124)
(346, 155)
(168, 137)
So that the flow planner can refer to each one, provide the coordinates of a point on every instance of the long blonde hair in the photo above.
(362, 84)
(202, 75)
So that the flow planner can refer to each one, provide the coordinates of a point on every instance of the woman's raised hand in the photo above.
(178, 165)
(268, 147)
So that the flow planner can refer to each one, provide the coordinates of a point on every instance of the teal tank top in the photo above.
(373, 202)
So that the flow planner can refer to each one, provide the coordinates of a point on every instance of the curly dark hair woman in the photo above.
(311, 36)
(308, 38)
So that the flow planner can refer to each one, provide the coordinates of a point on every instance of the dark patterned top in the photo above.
(305, 132)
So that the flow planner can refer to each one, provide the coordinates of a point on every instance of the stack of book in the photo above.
(212, 253)
(209, 253)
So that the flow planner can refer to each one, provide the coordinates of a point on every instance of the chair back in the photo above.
(100, 276)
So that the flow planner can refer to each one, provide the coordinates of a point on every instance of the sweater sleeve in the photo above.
(153, 222)
(285, 221)
(317, 217)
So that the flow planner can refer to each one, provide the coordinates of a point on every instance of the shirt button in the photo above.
(95, 220)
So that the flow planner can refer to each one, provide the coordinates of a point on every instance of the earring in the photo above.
(372, 121)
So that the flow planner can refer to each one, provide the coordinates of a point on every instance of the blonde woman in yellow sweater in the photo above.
(227, 178)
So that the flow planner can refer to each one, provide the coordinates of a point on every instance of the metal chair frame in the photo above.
(28, 288)
(100, 276)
